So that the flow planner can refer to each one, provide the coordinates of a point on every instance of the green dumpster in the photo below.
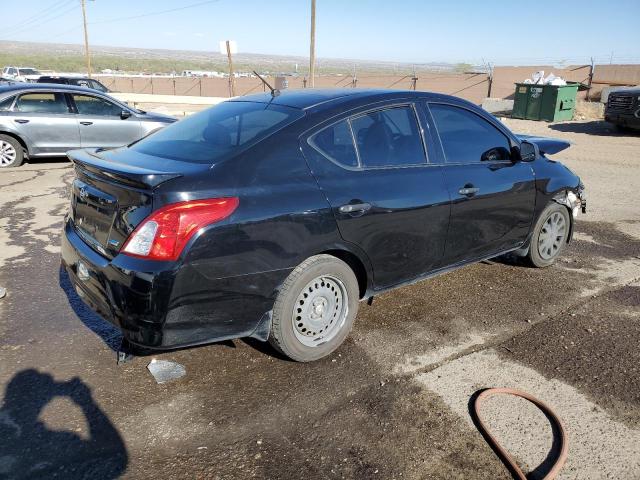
(545, 102)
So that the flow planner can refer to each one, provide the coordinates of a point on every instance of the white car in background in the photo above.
(21, 74)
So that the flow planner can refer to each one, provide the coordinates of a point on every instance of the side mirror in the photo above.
(528, 151)
(124, 114)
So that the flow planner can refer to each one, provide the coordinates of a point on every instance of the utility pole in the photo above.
(312, 49)
(86, 37)
(232, 83)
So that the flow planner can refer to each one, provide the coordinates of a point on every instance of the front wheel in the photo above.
(315, 309)
(549, 236)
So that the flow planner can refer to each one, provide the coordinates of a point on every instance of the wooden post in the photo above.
(312, 48)
(86, 38)
(490, 81)
(590, 80)
(232, 83)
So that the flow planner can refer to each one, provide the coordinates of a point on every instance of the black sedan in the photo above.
(272, 216)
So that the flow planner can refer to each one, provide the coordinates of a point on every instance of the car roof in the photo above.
(310, 97)
(21, 86)
(68, 77)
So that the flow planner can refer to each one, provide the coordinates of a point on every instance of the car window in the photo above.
(81, 82)
(90, 105)
(6, 104)
(218, 132)
(389, 137)
(13, 71)
(467, 137)
(336, 143)
(42, 102)
(98, 86)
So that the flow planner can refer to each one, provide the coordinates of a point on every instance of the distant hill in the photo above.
(69, 58)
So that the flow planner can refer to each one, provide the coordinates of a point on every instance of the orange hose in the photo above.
(501, 452)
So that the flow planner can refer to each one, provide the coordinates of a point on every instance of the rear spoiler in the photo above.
(545, 144)
(92, 162)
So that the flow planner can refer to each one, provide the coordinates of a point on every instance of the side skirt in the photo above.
(437, 272)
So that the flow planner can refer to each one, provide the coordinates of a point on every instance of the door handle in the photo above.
(355, 208)
(468, 190)
(21, 120)
(86, 123)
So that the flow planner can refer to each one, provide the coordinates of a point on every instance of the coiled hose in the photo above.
(501, 452)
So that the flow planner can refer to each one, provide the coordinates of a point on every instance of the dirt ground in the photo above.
(391, 403)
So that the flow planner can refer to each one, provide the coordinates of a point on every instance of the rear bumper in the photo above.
(165, 305)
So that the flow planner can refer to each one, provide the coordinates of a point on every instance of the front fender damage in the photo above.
(574, 201)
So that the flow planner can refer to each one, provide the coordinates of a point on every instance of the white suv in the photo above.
(21, 74)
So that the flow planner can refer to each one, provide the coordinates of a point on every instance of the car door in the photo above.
(102, 124)
(493, 195)
(385, 196)
(45, 119)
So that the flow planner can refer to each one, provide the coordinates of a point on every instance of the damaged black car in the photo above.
(272, 216)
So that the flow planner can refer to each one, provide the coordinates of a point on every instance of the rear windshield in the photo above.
(218, 132)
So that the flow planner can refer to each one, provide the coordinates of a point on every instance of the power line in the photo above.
(110, 20)
(160, 12)
(39, 24)
(39, 15)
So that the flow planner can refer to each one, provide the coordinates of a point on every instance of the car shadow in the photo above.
(29, 449)
(109, 334)
(596, 127)
(44, 160)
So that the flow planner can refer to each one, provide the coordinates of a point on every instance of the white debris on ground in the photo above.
(165, 371)
(538, 78)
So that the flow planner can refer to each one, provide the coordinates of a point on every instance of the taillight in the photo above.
(164, 234)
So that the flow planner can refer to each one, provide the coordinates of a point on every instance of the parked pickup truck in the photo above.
(623, 109)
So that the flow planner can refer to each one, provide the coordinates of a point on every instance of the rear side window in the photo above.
(388, 138)
(467, 137)
(336, 142)
(383, 138)
(90, 105)
(217, 132)
(81, 82)
(42, 102)
(98, 86)
(5, 104)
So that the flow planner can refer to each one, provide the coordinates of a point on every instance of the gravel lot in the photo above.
(391, 403)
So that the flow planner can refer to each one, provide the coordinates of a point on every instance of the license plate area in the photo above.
(92, 211)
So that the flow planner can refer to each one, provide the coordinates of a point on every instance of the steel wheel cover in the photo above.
(320, 311)
(552, 235)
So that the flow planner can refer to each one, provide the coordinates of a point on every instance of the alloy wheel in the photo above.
(8, 154)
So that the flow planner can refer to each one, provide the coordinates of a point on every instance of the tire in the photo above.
(549, 235)
(315, 309)
(11, 152)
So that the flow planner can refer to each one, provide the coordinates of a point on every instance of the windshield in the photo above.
(218, 132)
(29, 71)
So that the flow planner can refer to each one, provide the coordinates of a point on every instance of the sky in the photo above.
(416, 31)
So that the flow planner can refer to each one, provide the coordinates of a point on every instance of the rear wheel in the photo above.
(11, 153)
(549, 236)
(315, 309)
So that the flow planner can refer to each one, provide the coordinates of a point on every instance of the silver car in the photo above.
(46, 120)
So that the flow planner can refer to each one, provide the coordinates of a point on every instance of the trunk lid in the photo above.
(113, 193)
